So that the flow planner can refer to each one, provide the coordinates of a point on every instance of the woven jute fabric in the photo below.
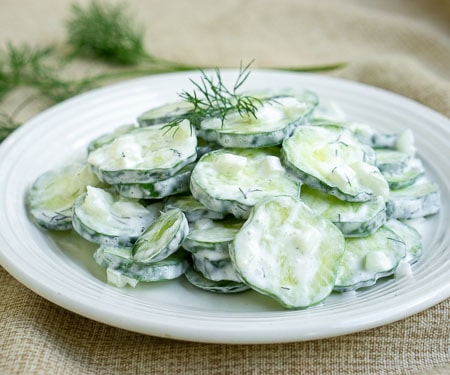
(401, 46)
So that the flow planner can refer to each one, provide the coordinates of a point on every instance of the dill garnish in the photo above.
(211, 98)
(104, 30)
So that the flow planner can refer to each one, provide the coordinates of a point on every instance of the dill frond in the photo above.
(105, 31)
(22, 65)
(211, 98)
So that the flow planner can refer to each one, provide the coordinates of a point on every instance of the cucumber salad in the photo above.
(271, 191)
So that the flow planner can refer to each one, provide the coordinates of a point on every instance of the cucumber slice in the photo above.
(164, 113)
(366, 134)
(275, 119)
(121, 267)
(392, 161)
(211, 235)
(413, 171)
(162, 238)
(412, 238)
(234, 180)
(420, 199)
(52, 196)
(222, 286)
(367, 259)
(192, 208)
(215, 269)
(329, 159)
(107, 219)
(354, 219)
(109, 137)
(287, 252)
(145, 155)
(176, 184)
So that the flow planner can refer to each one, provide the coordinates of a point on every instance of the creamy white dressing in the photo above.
(280, 249)
(272, 115)
(146, 148)
(379, 261)
(104, 214)
(255, 176)
(334, 156)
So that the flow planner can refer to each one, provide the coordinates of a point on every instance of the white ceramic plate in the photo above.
(60, 268)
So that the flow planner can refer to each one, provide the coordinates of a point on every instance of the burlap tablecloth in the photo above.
(402, 46)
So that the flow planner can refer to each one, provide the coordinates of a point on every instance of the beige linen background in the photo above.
(402, 46)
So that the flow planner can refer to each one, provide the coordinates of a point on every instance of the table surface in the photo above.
(402, 46)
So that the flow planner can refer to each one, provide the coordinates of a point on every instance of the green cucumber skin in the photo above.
(316, 183)
(164, 114)
(236, 205)
(357, 229)
(176, 184)
(193, 210)
(101, 238)
(194, 246)
(169, 268)
(414, 207)
(367, 156)
(136, 176)
(221, 287)
(215, 270)
(132, 231)
(360, 278)
(353, 219)
(141, 251)
(241, 251)
(52, 210)
(52, 220)
(229, 140)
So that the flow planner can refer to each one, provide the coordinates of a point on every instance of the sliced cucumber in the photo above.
(412, 238)
(107, 219)
(222, 286)
(192, 208)
(392, 161)
(330, 159)
(367, 259)
(162, 238)
(211, 235)
(215, 269)
(234, 180)
(51, 197)
(354, 219)
(109, 137)
(119, 264)
(422, 198)
(144, 155)
(274, 120)
(176, 184)
(164, 113)
(413, 171)
(286, 251)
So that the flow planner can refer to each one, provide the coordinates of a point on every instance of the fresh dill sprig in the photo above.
(211, 98)
(22, 65)
(106, 31)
